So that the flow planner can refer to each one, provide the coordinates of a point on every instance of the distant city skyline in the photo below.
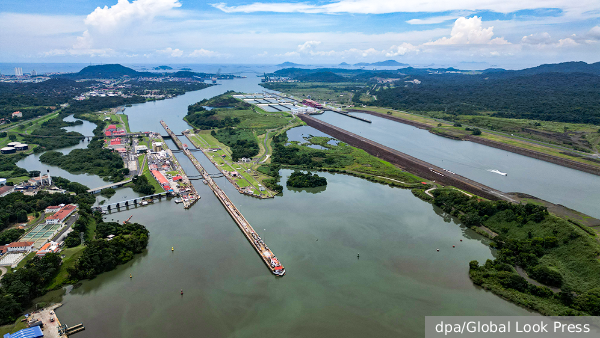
(479, 34)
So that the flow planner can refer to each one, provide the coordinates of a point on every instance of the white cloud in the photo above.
(204, 53)
(536, 39)
(105, 52)
(431, 21)
(125, 12)
(469, 31)
(402, 49)
(387, 6)
(567, 42)
(308, 46)
(594, 33)
(171, 52)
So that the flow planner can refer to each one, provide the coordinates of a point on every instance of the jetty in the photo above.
(188, 194)
(255, 240)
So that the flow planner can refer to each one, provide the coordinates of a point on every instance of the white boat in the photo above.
(497, 172)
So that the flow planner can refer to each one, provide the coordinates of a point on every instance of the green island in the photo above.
(299, 179)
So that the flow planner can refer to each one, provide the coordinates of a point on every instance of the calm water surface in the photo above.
(317, 234)
(557, 184)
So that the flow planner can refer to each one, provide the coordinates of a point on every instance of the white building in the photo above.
(20, 247)
(18, 71)
(141, 149)
(48, 248)
(62, 214)
(52, 209)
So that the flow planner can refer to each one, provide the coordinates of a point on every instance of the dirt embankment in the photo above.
(588, 168)
(407, 162)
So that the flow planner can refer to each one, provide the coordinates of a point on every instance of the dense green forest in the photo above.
(563, 97)
(8, 167)
(21, 287)
(241, 142)
(10, 235)
(305, 180)
(50, 135)
(141, 185)
(552, 251)
(202, 118)
(101, 255)
(99, 161)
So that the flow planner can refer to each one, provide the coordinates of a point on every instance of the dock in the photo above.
(255, 240)
(192, 195)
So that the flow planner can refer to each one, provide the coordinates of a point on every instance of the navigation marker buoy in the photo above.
(453, 246)
(172, 249)
(461, 240)
(130, 276)
(182, 292)
(438, 250)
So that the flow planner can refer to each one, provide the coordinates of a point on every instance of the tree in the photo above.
(12, 137)
(476, 131)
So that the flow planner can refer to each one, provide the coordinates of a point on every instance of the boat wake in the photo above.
(497, 172)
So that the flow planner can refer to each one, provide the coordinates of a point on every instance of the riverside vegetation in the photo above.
(305, 180)
(560, 255)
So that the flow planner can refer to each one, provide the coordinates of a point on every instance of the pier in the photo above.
(189, 195)
(255, 240)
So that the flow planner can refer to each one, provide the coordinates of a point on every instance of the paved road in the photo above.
(2, 271)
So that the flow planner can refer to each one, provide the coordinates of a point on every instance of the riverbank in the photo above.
(497, 141)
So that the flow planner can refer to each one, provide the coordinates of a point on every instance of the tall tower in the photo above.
(49, 178)
(33, 73)
(18, 71)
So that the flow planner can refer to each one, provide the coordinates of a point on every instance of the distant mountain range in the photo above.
(114, 71)
(387, 63)
(289, 64)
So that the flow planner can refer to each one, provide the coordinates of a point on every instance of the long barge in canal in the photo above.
(255, 240)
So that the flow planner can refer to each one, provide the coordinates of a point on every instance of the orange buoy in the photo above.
(182, 292)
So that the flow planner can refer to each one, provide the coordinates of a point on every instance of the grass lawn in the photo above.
(71, 256)
(12, 328)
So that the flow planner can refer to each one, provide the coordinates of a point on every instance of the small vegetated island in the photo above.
(305, 180)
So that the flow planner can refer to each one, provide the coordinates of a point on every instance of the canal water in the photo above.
(572, 188)
(316, 233)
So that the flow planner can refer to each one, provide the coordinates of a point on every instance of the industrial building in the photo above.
(62, 214)
(8, 150)
(12, 144)
(5, 190)
(21, 147)
(157, 146)
(30, 332)
(50, 247)
(20, 247)
(141, 149)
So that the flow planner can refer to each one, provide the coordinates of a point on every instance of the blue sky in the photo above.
(508, 33)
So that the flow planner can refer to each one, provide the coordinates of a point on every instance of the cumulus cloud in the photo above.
(387, 6)
(431, 21)
(204, 53)
(402, 49)
(125, 12)
(171, 52)
(537, 39)
(469, 31)
(594, 33)
(88, 52)
(308, 46)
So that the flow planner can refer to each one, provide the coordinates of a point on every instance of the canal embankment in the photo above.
(407, 162)
(588, 168)
(267, 256)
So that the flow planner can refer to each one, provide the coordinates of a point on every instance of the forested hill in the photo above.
(114, 71)
(565, 97)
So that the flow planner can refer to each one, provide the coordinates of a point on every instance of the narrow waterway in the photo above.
(32, 162)
(572, 188)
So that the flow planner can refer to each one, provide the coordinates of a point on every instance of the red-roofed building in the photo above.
(115, 141)
(62, 214)
(159, 177)
(107, 133)
(17, 114)
(121, 150)
(3, 249)
(20, 247)
(119, 133)
(111, 127)
(47, 248)
(177, 178)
